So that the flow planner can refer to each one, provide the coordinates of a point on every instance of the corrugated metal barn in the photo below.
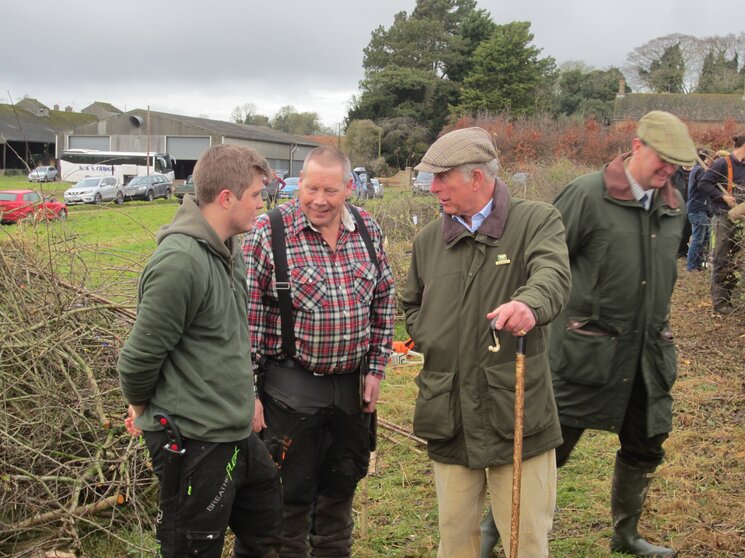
(185, 138)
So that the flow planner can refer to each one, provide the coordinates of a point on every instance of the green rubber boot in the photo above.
(628, 492)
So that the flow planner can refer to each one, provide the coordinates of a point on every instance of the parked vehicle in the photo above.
(95, 189)
(20, 204)
(422, 182)
(76, 164)
(43, 174)
(180, 190)
(290, 189)
(377, 187)
(148, 188)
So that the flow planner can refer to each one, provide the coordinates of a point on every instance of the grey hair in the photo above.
(327, 155)
(490, 169)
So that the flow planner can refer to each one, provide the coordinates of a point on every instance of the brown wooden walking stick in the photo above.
(517, 454)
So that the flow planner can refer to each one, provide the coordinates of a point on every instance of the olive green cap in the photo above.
(459, 147)
(668, 136)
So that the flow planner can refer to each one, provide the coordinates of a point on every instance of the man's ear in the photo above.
(479, 179)
(223, 198)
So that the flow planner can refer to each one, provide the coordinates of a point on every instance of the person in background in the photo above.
(680, 181)
(611, 349)
(699, 213)
(188, 356)
(724, 184)
(273, 188)
(320, 390)
(488, 257)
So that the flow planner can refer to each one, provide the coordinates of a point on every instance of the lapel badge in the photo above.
(502, 259)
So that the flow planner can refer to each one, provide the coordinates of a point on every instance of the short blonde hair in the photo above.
(228, 167)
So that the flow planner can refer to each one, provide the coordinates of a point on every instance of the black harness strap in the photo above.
(282, 282)
(365, 234)
(279, 250)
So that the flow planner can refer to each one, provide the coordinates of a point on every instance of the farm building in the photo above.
(699, 110)
(101, 110)
(185, 138)
(28, 131)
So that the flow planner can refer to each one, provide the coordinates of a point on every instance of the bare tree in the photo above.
(645, 59)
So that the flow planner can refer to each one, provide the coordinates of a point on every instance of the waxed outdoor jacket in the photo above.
(465, 406)
(623, 262)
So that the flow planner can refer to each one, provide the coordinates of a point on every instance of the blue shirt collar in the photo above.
(477, 219)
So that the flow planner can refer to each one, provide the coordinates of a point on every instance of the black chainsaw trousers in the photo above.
(232, 484)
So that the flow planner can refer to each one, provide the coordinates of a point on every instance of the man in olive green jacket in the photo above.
(612, 353)
(488, 256)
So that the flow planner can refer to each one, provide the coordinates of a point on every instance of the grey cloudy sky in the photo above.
(204, 58)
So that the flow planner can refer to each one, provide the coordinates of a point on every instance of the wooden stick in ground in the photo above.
(517, 455)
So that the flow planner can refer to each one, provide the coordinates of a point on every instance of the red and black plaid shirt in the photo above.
(343, 307)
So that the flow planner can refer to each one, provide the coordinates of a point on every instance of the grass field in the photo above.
(696, 504)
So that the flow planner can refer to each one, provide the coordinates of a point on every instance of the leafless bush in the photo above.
(67, 467)
(401, 218)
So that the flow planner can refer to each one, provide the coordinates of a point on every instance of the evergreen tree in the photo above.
(666, 73)
(508, 75)
(584, 93)
(720, 75)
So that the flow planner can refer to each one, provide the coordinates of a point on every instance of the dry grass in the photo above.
(697, 503)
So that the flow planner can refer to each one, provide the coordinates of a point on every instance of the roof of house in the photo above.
(31, 104)
(108, 107)
(691, 107)
(22, 125)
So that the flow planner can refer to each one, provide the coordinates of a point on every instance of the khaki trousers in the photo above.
(460, 497)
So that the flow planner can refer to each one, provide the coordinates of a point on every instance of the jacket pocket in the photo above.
(539, 410)
(585, 354)
(665, 358)
(308, 288)
(434, 413)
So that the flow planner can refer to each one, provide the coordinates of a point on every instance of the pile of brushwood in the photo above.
(68, 470)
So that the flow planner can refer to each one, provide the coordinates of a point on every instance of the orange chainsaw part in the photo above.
(403, 347)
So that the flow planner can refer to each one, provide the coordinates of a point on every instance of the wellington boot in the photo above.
(629, 489)
(489, 535)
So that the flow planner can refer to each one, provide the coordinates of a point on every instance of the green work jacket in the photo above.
(616, 323)
(465, 405)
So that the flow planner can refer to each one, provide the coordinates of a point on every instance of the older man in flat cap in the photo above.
(488, 256)
(612, 352)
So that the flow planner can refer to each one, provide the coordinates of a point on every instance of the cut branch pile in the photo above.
(67, 467)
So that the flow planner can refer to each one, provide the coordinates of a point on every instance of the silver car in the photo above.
(95, 189)
(422, 182)
(148, 188)
(43, 174)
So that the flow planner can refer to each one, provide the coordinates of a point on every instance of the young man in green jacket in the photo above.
(489, 256)
(612, 352)
(189, 357)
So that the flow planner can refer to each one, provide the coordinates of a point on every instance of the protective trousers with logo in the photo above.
(328, 453)
(232, 484)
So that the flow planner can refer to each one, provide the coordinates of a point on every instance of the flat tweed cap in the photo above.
(459, 147)
(668, 136)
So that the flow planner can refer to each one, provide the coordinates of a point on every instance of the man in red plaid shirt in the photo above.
(318, 402)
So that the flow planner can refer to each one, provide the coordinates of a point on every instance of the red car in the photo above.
(19, 204)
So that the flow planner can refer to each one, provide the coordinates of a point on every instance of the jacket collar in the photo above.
(618, 188)
(190, 221)
(493, 225)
